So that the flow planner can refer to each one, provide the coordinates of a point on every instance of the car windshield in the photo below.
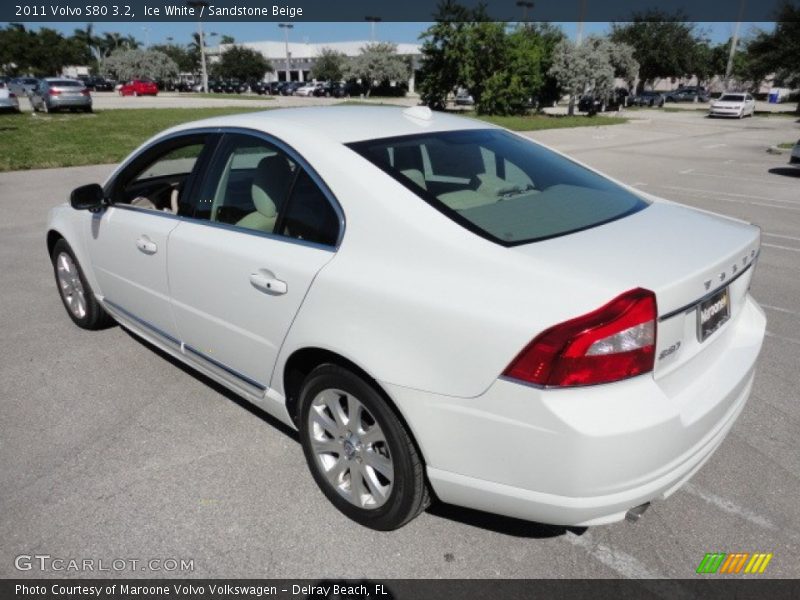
(65, 83)
(499, 185)
(732, 98)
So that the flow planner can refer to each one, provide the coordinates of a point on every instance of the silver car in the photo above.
(23, 86)
(8, 99)
(53, 94)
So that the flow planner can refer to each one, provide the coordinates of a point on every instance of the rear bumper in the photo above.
(70, 101)
(585, 456)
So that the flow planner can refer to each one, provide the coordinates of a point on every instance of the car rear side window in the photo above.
(500, 186)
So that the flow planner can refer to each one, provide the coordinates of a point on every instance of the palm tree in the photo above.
(88, 39)
(130, 42)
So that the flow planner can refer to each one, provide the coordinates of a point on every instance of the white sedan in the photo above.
(733, 105)
(441, 307)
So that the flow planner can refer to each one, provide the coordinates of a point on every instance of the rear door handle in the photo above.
(146, 245)
(267, 282)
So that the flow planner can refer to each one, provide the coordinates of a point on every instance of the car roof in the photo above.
(346, 123)
(52, 79)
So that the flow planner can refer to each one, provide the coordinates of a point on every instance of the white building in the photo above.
(299, 63)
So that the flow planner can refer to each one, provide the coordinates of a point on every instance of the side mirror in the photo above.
(87, 197)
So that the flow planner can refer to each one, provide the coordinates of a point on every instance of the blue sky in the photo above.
(157, 33)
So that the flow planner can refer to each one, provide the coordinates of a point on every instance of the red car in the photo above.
(139, 87)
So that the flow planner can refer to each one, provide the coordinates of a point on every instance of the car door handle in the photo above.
(267, 282)
(146, 245)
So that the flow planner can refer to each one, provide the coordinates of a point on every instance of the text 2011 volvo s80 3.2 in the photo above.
(442, 308)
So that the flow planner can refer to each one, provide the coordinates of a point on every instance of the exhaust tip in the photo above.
(636, 512)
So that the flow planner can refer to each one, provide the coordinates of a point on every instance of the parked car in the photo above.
(591, 104)
(139, 87)
(307, 90)
(98, 84)
(234, 86)
(422, 297)
(8, 99)
(464, 98)
(57, 93)
(647, 98)
(733, 105)
(687, 94)
(260, 87)
(289, 88)
(328, 89)
(23, 86)
(181, 86)
(794, 157)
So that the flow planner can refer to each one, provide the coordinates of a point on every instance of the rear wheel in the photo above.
(78, 298)
(359, 452)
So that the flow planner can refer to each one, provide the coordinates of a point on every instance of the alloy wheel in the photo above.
(69, 283)
(350, 448)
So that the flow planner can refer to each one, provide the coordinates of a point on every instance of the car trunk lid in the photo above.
(688, 258)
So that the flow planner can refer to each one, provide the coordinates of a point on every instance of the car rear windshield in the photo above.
(65, 83)
(499, 185)
(732, 98)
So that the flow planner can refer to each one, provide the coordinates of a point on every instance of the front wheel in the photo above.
(359, 452)
(78, 298)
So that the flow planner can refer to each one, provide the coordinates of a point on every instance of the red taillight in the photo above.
(614, 342)
(54, 92)
(12, 95)
(85, 93)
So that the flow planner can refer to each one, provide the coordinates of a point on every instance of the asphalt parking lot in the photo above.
(111, 450)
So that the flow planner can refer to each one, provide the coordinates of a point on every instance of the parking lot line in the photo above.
(621, 562)
(779, 309)
(781, 247)
(728, 506)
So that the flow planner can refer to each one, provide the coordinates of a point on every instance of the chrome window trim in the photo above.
(269, 138)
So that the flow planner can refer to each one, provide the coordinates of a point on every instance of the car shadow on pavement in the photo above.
(220, 389)
(475, 518)
(500, 524)
(786, 171)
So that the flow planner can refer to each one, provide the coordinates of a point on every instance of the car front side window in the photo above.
(157, 179)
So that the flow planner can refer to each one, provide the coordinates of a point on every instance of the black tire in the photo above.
(96, 317)
(409, 494)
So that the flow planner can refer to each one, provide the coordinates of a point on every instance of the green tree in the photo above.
(664, 45)
(16, 43)
(129, 64)
(329, 65)
(486, 53)
(592, 66)
(777, 52)
(377, 63)
(227, 39)
(514, 84)
(443, 47)
(245, 64)
(180, 54)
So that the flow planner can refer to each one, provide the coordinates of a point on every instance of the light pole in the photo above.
(146, 36)
(372, 20)
(286, 27)
(734, 42)
(525, 6)
(201, 4)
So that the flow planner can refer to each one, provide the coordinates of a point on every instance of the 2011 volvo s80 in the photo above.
(442, 308)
